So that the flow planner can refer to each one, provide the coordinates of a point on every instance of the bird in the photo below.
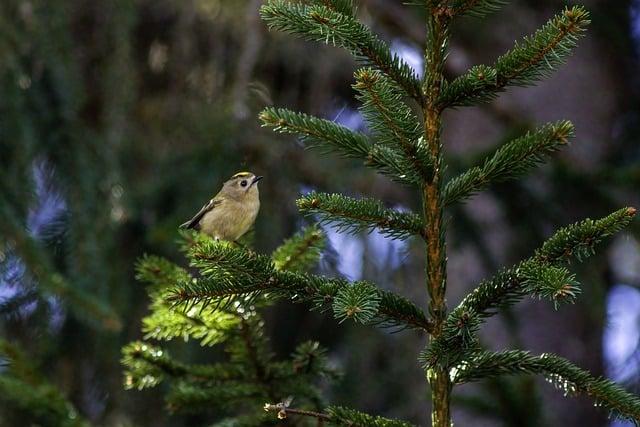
(231, 212)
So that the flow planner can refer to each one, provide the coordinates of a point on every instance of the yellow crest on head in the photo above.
(241, 175)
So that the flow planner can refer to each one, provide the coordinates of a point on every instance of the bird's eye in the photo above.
(243, 182)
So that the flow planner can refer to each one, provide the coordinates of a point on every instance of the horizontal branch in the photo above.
(147, 365)
(539, 276)
(326, 24)
(332, 137)
(356, 215)
(336, 415)
(563, 374)
(510, 161)
(530, 60)
(230, 272)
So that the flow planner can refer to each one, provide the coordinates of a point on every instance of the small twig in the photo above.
(283, 411)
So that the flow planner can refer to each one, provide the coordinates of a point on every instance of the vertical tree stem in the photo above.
(435, 54)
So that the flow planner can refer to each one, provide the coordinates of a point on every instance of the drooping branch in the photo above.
(563, 374)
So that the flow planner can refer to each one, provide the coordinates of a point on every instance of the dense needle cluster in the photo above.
(220, 302)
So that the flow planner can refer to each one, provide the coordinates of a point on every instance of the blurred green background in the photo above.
(119, 119)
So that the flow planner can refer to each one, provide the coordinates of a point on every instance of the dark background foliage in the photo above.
(119, 119)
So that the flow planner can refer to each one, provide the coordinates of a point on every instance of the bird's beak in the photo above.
(256, 179)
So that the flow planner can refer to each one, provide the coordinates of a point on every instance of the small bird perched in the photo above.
(232, 211)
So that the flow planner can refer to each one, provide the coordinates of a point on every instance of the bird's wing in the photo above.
(193, 222)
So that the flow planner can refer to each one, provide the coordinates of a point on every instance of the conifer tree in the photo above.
(404, 117)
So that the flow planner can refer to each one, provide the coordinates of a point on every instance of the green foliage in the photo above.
(567, 377)
(512, 160)
(454, 8)
(475, 8)
(530, 60)
(359, 301)
(229, 273)
(350, 417)
(579, 240)
(220, 302)
(325, 24)
(537, 276)
(329, 136)
(300, 252)
(392, 122)
(346, 7)
(353, 216)
(35, 399)
(250, 375)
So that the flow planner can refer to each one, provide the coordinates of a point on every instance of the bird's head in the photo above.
(241, 185)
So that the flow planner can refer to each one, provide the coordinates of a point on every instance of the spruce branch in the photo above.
(210, 327)
(360, 301)
(532, 59)
(326, 24)
(454, 8)
(539, 276)
(350, 417)
(147, 365)
(474, 8)
(335, 415)
(283, 411)
(188, 397)
(356, 215)
(391, 120)
(230, 272)
(578, 240)
(329, 136)
(510, 161)
(345, 7)
(300, 252)
(560, 372)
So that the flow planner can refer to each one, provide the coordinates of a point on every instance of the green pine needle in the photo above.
(475, 8)
(391, 120)
(359, 301)
(555, 284)
(563, 374)
(325, 24)
(454, 8)
(512, 160)
(329, 136)
(578, 240)
(345, 7)
(230, 272)
(350, 417)
(300, 252)
(537, 276)
(356, 215)
(530, 60)
(210, 327)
